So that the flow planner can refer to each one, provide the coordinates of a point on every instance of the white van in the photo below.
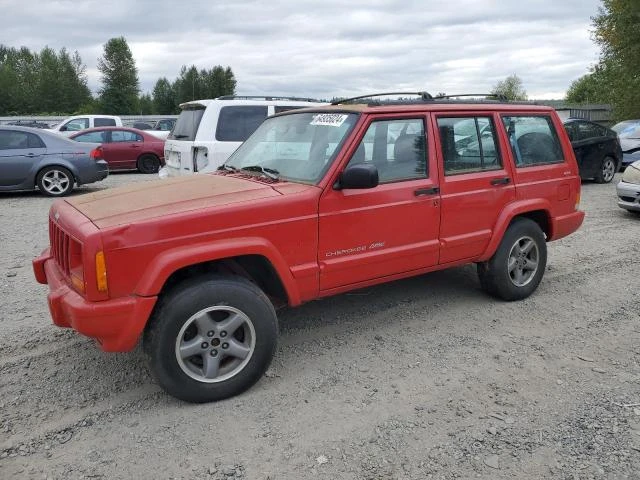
(82, 122)
(209, 131)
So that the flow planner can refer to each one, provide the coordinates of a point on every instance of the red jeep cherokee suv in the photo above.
(316, 202)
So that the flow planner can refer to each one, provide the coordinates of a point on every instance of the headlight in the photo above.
(632, 173)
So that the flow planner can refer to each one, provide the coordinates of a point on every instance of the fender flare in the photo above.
(169, 261)
(507, 215)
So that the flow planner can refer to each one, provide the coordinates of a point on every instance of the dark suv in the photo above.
(318, 201)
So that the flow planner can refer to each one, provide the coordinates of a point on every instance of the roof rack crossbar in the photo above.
(498, 96)
(423, 95)
(265, 97)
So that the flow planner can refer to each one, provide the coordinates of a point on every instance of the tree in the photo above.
(616, 31)
(120, 85)
(511, 88)
(164, 100)
(145, 104)
(593, 87)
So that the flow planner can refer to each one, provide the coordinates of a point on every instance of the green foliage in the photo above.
(164, 98)
(120, 85)
(591, 88)
(192, 84)
(616, 31)
(511, 88)
(145, 103)
(32, 83)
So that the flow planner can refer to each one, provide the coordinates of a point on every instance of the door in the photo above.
(392, 228)
(19, 153)
(475, 184)
(590, 146)
(122, 149)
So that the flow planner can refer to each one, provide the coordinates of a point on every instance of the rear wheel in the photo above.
(148, 163)
(606, 171)
(515, 270)
(211, 338)
(55, 181)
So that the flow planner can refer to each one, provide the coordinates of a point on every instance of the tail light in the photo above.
(96, 153)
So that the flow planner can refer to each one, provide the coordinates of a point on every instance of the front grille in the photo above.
(60, 248)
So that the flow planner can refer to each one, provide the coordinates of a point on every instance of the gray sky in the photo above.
(326, 48)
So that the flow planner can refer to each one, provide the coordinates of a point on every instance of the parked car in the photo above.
(629, 134)
(142, 125)
(33, 158)
(29, 123)
(82, 122)
(126, 148)
(628, 189)
(165, 124)
(208, 131)
(597, 149)
(315, 202)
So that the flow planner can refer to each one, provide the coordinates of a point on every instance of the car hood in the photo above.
(143, 201)
(629, 143)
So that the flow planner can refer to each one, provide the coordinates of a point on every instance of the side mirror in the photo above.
(360, 175)
(63, 128)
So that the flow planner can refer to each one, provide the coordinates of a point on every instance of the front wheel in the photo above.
(517, 267)
(211, 338)
(607, 170)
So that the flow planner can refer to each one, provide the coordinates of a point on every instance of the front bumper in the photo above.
(628, 196)
(116, 324)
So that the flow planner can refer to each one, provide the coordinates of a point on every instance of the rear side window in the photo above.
(236, 123)
(118, 136)
(35, 141)
(468, 144)
(284, 108)
(187, 124)
(104, 122)
(533, 140)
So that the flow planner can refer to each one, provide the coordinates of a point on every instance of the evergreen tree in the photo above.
(120, 85)
(146, 104)
(164, 100)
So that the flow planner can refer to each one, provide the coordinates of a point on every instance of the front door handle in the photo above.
(30, 155)
(426, 191)
(500, 181)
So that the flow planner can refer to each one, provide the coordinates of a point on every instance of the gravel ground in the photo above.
(417, 379)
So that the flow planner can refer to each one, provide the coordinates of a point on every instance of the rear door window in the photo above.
(236, 123)
(35, 141)
(91, 137)
(104, 122)
(187, 124)
(118, 136)
(533, 140)
(468, 144)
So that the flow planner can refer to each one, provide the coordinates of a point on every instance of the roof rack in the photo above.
(265, 97)
(424, 97)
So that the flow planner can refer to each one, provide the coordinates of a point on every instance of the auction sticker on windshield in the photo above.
(329, 119)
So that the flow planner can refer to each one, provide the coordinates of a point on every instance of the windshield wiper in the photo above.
(228, 168)
(267, 172)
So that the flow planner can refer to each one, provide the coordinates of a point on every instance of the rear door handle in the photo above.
(30, 155)
(500, 181)
(426, 191)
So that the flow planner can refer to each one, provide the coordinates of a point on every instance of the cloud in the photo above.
(329, 48)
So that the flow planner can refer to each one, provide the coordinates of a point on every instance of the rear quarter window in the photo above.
(237, 123)
(186, 126)
(533, 140)
(104, 122)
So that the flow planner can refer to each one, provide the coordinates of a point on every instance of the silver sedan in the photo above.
(32, 158)
(628, 189)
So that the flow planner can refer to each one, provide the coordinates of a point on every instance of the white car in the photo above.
(207, 132)
(81, 122)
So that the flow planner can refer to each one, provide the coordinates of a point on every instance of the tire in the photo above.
(148, 163)
(191, 353)
(524, 245)
(607, 170)
(55, 181)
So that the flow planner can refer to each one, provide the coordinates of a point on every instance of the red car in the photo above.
(126, 148)
(316, 202)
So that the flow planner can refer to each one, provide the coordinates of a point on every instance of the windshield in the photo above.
(187, 124)
(299, 147)
(627, 128)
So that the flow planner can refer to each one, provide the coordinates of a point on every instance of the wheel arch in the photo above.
(64, 165)
(535, 210)
(253, 259)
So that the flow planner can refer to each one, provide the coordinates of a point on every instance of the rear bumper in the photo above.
(628, 196)
(100, 172)
(566, 224)
(116, 324)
